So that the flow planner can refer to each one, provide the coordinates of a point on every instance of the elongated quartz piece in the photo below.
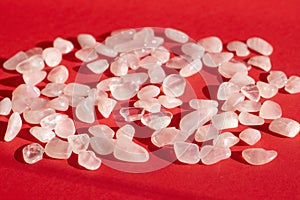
(119, 68)
(51, 120)
(85, 110)
(193, 50)
(127, 130)
(63, 45)
(270, 110)
(226, 139)
(157, 121)
(228, 69)
(100, 130)
(151, 105)
(149, 62)
(52, 56)
(161, 54)
(176, 35)
(59, 149)
(34, 63)
(89, 160)
(34, 77)
(216, 59)
(59, 74)
(102, 145)
(285, 126)
(105, 50)
(205, 133)
(76, 89)
(98, 66)
(13, 61)
(250, 119)
(293, 85)
(250, 136)
(187, 152)
(225, 120)
(53, 89)
(211, 44)
(277, 78)
(5, 106)
(169, 102)
(124, 91)
(262, 62)
(131, 114)
(200, 104)
(251, 92)
(149, 91)
(32, 153)
(35, 116)
(86, 40)
(34, 51)
(137, 78)
(260, 45)
(174, 85)
(79, 142)
(60, 103)
(258, 156)
(26, 91)
(42, 134)
(248, 106)
(266, 90)
(13, 127)
(177, 62)
(226, 89)
(165, 136)
(215, 154)
(240, 48)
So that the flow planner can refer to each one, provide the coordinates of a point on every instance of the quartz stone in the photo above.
(105, 84)
(53, 89)
(34, 51)
(119, 68)
(157, 121)
(131, 114)
(126, 130)
(137, 78)
(147, 92)
(34, 77)
(214, 154)
(131, 59)
(89, 160)
(120, 37)
(98, 66)
(232, 102)
(177, 62)
(258, 156)
(226, 89)
(293, 85)
(96, 95)
(285, 126)
(5, 106)
(85, 110)
(142, 52)
(205, 133)
(266, 90)
(144, 34)
(13, 127)
(100, 130)
(225, 120)
(228, 69)
(174, 85)
(59, 149)
(270, 110)
(251, 92)
(37, 103)
(59, 74)
(240, 48)
(26, 91)
(151, 105)
(250, 136)
(277, 78)
(191, 68)
(51, 120)
(65, 128)
(20, 104)
(105, 50)
(200, 104)
(248, 106)
(124, 91)
(127, 150)
(130, 46)
(14, 61)
(216, 59)
(79, 142)
(156, 75)
(149, 62)
(42, 134)
(102, 145)
(60, 103)
(76, 89)
(106, 106)
(226, 139)
(169, 102)
(34, 63)
(187, 152)
(165, 136)
(262, 62)
(32, 153)
(63, 45)
(241, 79)
(176, 35)
(35, 116)
(193, 50)
(250, 119)
(211, 44)
(86, 55)
(74, 100)
(260, 45)
(161, 54)
(52, 56)
(86, 40)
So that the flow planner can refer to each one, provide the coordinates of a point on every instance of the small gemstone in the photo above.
(138, 78)
(200, 104)
(193, 50)
(216, 59)
(14, 61)
(177, 62)
(240, 48)
(53, 89)
(241, 79)
(86, 41)
(131, 59)
(105, 50)
(51, 120)
(147, 92)
(129, 46)
(60, 103)
(26, 91)
(187, 152)
(34, 77)
(260, 45)
(228, 69)
(258, 156)
(86, 55)
(5, 106)
(191, 68)
(124, 91)
(52, 56)
(59, 74)
(85, 111)
(119, 37)
(262, 62)
(89, 160)
(176, 35)
(104, 84)
(232, 102)
(131, 114)
(149, 62)
(248, 106)
(106, 106)
(250, 136)
(33, 153)
(270, 110)
(165, 136)
(98, 66)
(161, 54)
(34, 51)
(157, 121)
(126, 130)
(42, 134)
(285, 126)
(65, 128)
(211, 44)
(251, 92)
(226, 89)
(250, 119)
(174, 85)
(74, 100)
(64, 46)
(293, 85)
(59, 149)
(102, 145)
(119, 68)
(157, 74)
(226, 139)
(79, 142)
(34, 63)
(225, 120)
(215, 154)
(35, 116)
(100, 130)
(144, 34)
(277, 78)
(205, 133)
(13, 127)
(151, 105)
(266, 90)
(37, 103)
(169, 102)
(76, 89)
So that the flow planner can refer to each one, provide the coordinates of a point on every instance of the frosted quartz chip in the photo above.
(138, 78)
(131, 59)
(59, 149)
(52, 56)
(42, 134)
(157, 121)
(176, 35)
(151, 105)
(203, 104)
(79, 142)
(131, 114)
(226, 139)
(214, 154)
(266, 90)
(106, 106)
(258, 156)
(105, 84)
(34, 51)
(51, 120)
(126, 130)
(100, 130)
(161, 54)
(232, 102)
(225, 120)
(34, 63)
(35, 116)
(260, 45)
(285, 126)
(191, 68)
(240, 48)
(250, 136)
(129, 46)
(119, 37)
(187, 152)
(226, 89)
(59, 74)
(177, 62)
(102, 145)
(165, 136)
(12, 62)
(149, 62)
(216, 59)
(174, 85)
(205, 133)
(193, 50)
(64, 46)
(98, 66)
(147, 92)
(270, 110)
(293, 85)
(86, 40)
(76, 89)
(251, 92)
(277, 78)
(211, 44)
(250, 119)
(26, 91)
(89, 160)
(86, 55)
(60, 103)
(144, 34)
(262, 62)
(5, 106)
(228, 69)
(85, 110)
(33, 153)
(37, 103)
(105, 50)
(156, 75)
(34, 77)
(241, 79)
(13, 127)
(127, 150)
(65, 128)
(169, 102)
(119, 68)
(124, 91)
(248, 106)
(53, 89)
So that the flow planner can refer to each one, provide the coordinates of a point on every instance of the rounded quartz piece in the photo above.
(250, 119)
(52, 56)
(124, 91)
(59, 149)
(176, 35)
(32, 153)
(277, 78)
(98, 66)
(63, 45)
(5, 106)
(270, 110)
(177, 62)
(34, 51)
(149, 62)
(76, 89)
(35, 116)
(137, 78)
(226, 139)
(258, 156)
(193, 50)
(211, 44)
(161, 54)
(102, 145)
(147, 92)
(240, 48)
(232, 102)
(26, 91)
(187, 152)
(34, 77)
(86, 55)
(228, 69)
(151, 105)
(250, 136)
(157, 121)
(165, 136)
(89, 160)
(64, 128)
(105, 50)
(248, 106)
(156, 75)
(51, 120)
(260, 45)
(293, 85)
(13, 61)
(79, 142)
(241, 79)
(262, 62)
(59, 74)
(285, 126)
(225, 120)
(266, 90)
(226, 89)
(174, 85)
(34, 63)
(215, 154)
(126, 130)
(203, 103)
(86, 40)
(251, 92)
(85, 111)
(216, 59)
(106, 106)
(191, 68)
(101, 130)
(60, 103)
(119, 68)
(169, 102)
(205, 133)
(131, 114)
(53, 89)
(42, 134)
(13, 127)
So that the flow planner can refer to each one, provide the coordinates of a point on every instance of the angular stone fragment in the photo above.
(187, 152)
(293, 85)
(165, 136)
(200, 104)
(79, 142)
(42, 134)
(85, 110)
(214, 154)
(226, 89)
(151, 105)
(76, 89)
(34, 77)
(225, 120)
(174, 85)
(250, 136)
(53, 89)
(251, 92)
(89, 160)
(87, 54)
(131, 114)
(86, 40)
(240, 48)
(205, 133)
(52, 56)
(277, 78)
(226, 139)
(59, 74)
(120, 37)
(266, 90)
(100, 130)
(149, 62)
(258, 156)
(241, 79)
(144, 34)
(216, 59)
(147, 92)
(13, 61)
(34, 63)
(126, 130)
(211, 44)
(5, 106)
(129, 46)
(104, 85)
(232, 102)
(176, 35)
(260, 45)
(124, 91)
(177, 62)
(59, 149)
(157, 121)
(262, 62)
(63, 45)
(102, 145)
(26, 91)
(248, 106)
(228, 69)
(156, 75)
(60, 103)
(106, 106)
(131, 59)
(98, 66)
(169, 102)
(193, 50)
(65, 128)
(137, 78)
(34, 51)
(161, 54)
(250, 119)
(119, 68)
(270, 110)
(35, 116)
(105, 50)
(37, 103)
(191, 68)
(285, 126)
(32, 153)
(51, 120)
(13, 127)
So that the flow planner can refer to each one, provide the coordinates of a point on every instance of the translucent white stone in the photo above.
(266, 90)
(131, 114)
(60, 103)
(177, 62)
(270, 110)
(86, 40)
(13, 61)
(193, 50)
(258, 156)
(105, 50)
(35, 116)
(144, 34)
(98, 66)
(127, 150)
(205, 133)
(76, 89)
(105, 84)
(131, 59)
(191, 68)
(277, 78)
(165, 136)
(65, 128)
(26, 91)
(250, 136)
(96, 95)
(52, 56)
(32, 153)
(169, 102)
(119, 68)
(241, 79)
(59, 74)
(89, 160)
(226, 139)
(260, 45)
(250, 119)
(187, 152)
(161, 54)
(100, 130)
(34, 63)
(157, 121)
(138, 78)
(129, 46)
(151, 105)
(174, 85)
(226, 89)
(13, 127)
(120, 37)
(215, 154)
(200, 104)
(225, 120)
(37, 103)
(34, 77)
(228, 69)
(74, 100)
(34, 51)
(176, 35)
(216, 59)
(142, 52)
(126, 130)
(63, 45)
(147, 92)
(232, 102)
(262, 62)
(51, 120)
(79, 142)
(53, 89)
(85, 111)
(211, 44)
(149, 62)
(156, 75)
(293, 85)
(5, 106)
(59, 149)
(106, 106)
(42, 134)
(285, 126)
(102, 145)
(251, 92)
(86, 55)
(124, 91)
(248, 106)
(240, 48)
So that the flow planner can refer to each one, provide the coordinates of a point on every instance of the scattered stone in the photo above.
(262, 62)
(211, 44)
(285, 126)
(240, 48)
(89, 160)
(13, 127)
(214, 154)
(251, 92)
(187, 152)
(59, 149)
(258, 156)
(5, 106)
(266, 90)
(33, 153)
(52, 56)
(174, 85)
(250, 119)
(293, 85)
(176, 35)
(260, 45)
(42, 134)
(64, 46)
(250, 136)
(277, 78)
(79, 142)
(270, 110)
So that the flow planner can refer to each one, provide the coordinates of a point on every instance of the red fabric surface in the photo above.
(26, 23)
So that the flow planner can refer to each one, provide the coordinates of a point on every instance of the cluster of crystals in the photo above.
(132, 50)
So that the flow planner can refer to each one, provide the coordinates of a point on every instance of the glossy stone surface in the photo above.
(126, 130)
(59, 74)
(262, 62)
(52, 56)
(169, 102)
(277, 78)
(266, 90)
(177, 62)
(251, 92)
(59, 149)
(285, 126)
(193, 50)
(5, 106)
(34, 63)
(51, 120)
(65, 128)
(63, 45)
(165, 136)
(187, 152)
(124, 91)
(131, 114)
(240, 48)
(231, 103)
(149, 62)
(105, 50)
(102, 145)
(174, 85)
(42, 134)
(250, 136)
(85, 111)
(100, 130)
(13, 127)
(89, 160)
(53, 89)
(156, 75)
(199, 104)
(13, 61)
(76, 89)
(270, 110)
(211, 44)
(214, 154)
(228, 69)
(248, 106)
(258, 156)
(149, 91)
(293, 85)
(241, 79)
(191, 68)
(226, 89)
(79, 142)
(225, 120)
(137, 78)
(151, 105)
(86, 40)
(119, 68)
(32, 153)
(216, 59)
(260, 45)
(34, 77)
(157, 121)
(104, 85)
(176, 35)
(205, 133)
(250, 119)
(161, 54)
(226, 139)
(98, 66)
(35, 116)
(60, 103)
(106, 106)
(86, 55)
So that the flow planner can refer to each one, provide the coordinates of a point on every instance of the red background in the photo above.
(26, 23)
